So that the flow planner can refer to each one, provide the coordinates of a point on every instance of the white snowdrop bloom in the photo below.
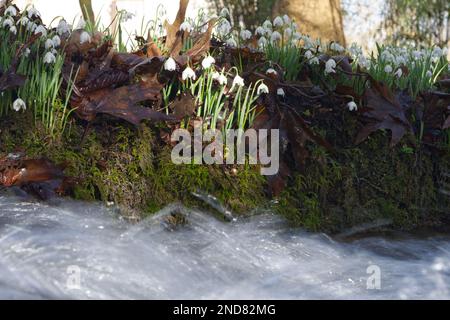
(32, 12)
(271, 71)
(429, 74)
(262, 89)
(56, 41)
(23, 21)
(224, 28)
(170, 64)
(294, 26)
(49, 58)
(220, 77)
(238, 81)
(27, 52)
(49, 44)
(85, 37)
(387, 56)
(286, 19)
(337, 47)
(388, 68)
(278, 22)
(329, 66)
(62, 27)
(276, 36)
(208, 62)
(224, 12)
(19, 104)
(126, 16)
(287, 33)
(262, 42)
(81, 24)
(245, 35)
(260, 31)
(13, 30)
(308, 54)
(31, 26)
(280, 92)
(437, 52)
(8, 22)
(352, 106)
(55, 53)
(398, 73)
(41, 29)
(231, 43)
(314, 60)
(223, 80)
(188, 73)
(297, 36)
(186, 26)
(355, 50)
(363, 62)
(11, 11)
(399, 60)
(267, 25)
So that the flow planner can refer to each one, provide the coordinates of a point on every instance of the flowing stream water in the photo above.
(80, 250)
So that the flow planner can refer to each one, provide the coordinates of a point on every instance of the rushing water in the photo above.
(47, 250)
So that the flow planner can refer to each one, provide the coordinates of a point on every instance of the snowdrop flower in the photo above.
(125, 16)
(329, 66)
(388, 68)
(267, 25)
(56, 41)
(8, 22)
(208, 62)
(27, 52)
(188, 73)
(262, 42)
(49, 44)
(11, 11)
(337, 47)
(296, 36)
(363, 62)
(355, 50)
(287, 32)
(186, 26)
(224, 28)
(271, 71)
(308, 54)
(31, 26)
(13, 30)
(49, 58)
(398, 73)
(81, 24)
(429, 74)
(41, 30)
(276, 36)
(238, 81)
(246, 35)
(224, 12)
(23, 21)
(286, 19)
(32, 12)
(85, 37)
(170, 64)
(437, 52)
(62, 27)
(280, 92)
(19, 104)
(260, 31)
(262, 89)
(231, 43)
(220, 77)
(352, 106)
(314, 60)
(278, 22)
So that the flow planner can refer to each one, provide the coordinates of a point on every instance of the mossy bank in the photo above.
(355, 185)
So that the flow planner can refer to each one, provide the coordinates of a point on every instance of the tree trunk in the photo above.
(317, 18)
(88, 12)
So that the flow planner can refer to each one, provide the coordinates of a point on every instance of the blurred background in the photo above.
(400, 22)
